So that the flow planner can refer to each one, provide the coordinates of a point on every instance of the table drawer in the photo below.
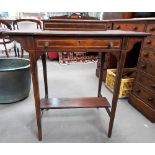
(148, 55)
(129, 27)
(145, 95)
(75, 26)
(149, 42)
(151, 28)
(146, 80)
(80, 43)
(146, 66)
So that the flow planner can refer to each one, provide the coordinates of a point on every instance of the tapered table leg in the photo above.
(43, 57)
(120, 66)
(102, 58)
(36, 93)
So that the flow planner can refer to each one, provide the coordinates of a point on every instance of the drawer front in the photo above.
(145, 80)
(146, 66)
(75, 26)
(148, 55)
(80, 43)
(151, 28)
(129, 27)
(145, 95)
(149, 42)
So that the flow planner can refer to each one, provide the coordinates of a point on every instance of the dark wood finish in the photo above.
(71, 24)
(43, 57)
(120, 66)
(66, 103)
(29, 42)
(151, 28)
(143, 59)
(102, 57)
(146, 66)
(145, 95)
(144, 108)
(149, 42)
(73, 16)
(80, 42)
(16, 27)
(146, 80)
(148, 55)
(34, 72)
(130, 27)
(75, 22)
(117, 15)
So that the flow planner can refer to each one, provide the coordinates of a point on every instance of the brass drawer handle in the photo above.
(146, 54)
(110, 44)
(135, 28)
(108, 27)
(150, 99)
(148, 41)
(153, 86)
(118, 27)
(151, 28)
(143, 66)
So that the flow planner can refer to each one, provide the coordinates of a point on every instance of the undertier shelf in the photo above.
(62, 103)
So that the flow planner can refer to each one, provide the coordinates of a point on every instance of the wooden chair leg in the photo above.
(120, 66)
(6, 51)
(36, 94)
(43, 57)
(15, 50)
(102, 58)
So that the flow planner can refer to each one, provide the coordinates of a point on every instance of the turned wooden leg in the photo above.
(43, 57)
(102, 58)
(120, 66)
(36, 94)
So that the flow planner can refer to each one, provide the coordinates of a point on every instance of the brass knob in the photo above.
(151, 28)
(146, 54)
(135, 28)
(153, 86)
(110, 44)
(148, 41)
(118, 27)
(108, 26)
(143, 66)
(150, 99)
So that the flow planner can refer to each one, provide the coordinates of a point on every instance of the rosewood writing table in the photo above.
(39, 42)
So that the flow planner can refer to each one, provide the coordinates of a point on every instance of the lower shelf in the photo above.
(62, 103)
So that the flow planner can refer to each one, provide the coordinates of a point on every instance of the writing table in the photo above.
(37, 43)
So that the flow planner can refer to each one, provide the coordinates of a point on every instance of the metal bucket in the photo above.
(15, 79)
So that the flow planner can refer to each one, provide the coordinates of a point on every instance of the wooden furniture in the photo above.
(143, 94)
(74, 16)
(38, 43)
(117, 15)
(71, 22)
(6, 44)
(25, 24)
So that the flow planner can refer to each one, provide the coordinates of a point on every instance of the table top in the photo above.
(107, 33)
(100, 21)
